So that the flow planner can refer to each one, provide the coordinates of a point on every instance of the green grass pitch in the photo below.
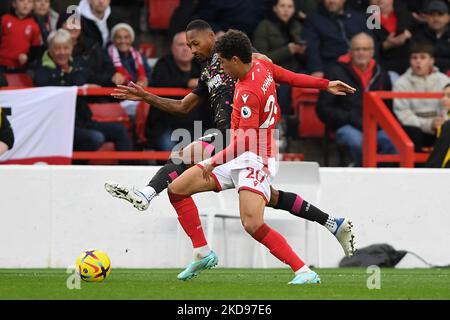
(227, 284)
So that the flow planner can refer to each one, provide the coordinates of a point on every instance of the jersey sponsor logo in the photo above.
(245, 97)
(246, 112)
(267, 83)
(9, 25)
(214, 58)
(214, 82)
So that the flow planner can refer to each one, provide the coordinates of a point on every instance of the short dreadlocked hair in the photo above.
(235, 43)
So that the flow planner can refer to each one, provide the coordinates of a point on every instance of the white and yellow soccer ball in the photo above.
(93, 265)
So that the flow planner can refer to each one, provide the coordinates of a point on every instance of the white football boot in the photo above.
(345, 236)
(133, 196)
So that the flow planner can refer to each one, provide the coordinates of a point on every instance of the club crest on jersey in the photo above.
(246, 112)
(28, 30)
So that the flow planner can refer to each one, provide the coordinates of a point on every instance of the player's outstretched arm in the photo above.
(305, 81)
(136, 92)
(339, 88)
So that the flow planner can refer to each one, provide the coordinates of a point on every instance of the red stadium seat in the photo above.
(304, 102)
(107, 146)
(160, 12)
(109, 112)
(147, 49)
(309, 124)
(18, 79)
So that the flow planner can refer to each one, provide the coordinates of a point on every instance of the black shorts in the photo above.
(6, 133)
(215, 141)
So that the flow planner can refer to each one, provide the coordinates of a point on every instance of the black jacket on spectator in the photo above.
(329, 36)
(358, 5)
(395, 59)
(166, 73)
(181, 16)
(243, 15)
(337, 111)
(98, 64)
(49, 74)
(441, 46)
(90, 29)
(272, 37)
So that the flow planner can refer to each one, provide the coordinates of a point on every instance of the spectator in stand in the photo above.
(394, 36)
(6, 133)
(280, 38)
(128, 62)
(95, 59)
(305, 8)
(181, 16)
(131, 64)
(178, 70)
(328, 33)
(60, 68)
(243, 15)
(344, 113)
(440, 156)
(97, 20)
(421, 117)
(20, 38)
(437, 33)
(358, 5)
(45, 17)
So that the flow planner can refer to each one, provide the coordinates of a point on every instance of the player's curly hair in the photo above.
(235, 43)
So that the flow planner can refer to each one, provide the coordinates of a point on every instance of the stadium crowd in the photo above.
(408, 51)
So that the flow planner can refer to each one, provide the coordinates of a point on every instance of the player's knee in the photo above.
(251, 224)
(173, 188)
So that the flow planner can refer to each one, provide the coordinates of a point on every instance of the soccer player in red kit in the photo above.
(248, 163)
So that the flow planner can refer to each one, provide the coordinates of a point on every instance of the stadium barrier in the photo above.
(102, 155)
(51, 213)
(377, 114)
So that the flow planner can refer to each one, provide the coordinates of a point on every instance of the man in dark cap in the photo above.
(437, 33)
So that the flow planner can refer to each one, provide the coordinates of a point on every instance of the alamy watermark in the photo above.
(374, 280)
(73, 281)
(374, 20)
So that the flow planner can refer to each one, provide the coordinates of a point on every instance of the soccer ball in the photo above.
(93, 265)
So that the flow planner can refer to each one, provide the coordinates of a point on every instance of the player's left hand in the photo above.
(207, 170)
(260, 56)
(340, 88)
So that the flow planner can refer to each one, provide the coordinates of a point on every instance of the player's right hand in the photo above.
(133, 92)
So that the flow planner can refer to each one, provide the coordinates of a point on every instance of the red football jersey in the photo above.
(16, 37)
(255, 106)
(256, 110)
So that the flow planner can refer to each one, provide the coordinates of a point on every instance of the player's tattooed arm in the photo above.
(137, 93)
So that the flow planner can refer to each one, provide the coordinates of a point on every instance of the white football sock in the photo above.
(304, 269)
(201, 252)
(148, 192)
(331, 224)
